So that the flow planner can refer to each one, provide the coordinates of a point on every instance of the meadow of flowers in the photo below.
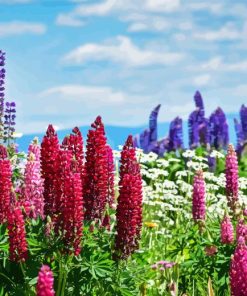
(81, 219)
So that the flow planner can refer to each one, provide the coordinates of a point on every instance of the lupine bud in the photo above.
(17, 235)
(198, 202)
(5, 184)
(45, 282)
(9, 121)
(96, 180)
(227, 236)
(129, 208)
(49, 152)
(231, 177)
(243, 117)
(238, 270)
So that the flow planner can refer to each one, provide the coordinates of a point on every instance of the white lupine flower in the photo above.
(189, 153)
(116, 154)
(169, 184)
(212, 187)
(217, 154)
(196, 165)
(242, 183)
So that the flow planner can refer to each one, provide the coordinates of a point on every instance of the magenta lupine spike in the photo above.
(45, 282)
(198, 202)
(241, 230)
(231, 177)
(33, 184)
(227, 231)
(238, 270)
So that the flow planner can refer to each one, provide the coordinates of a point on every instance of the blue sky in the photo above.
(70, 60)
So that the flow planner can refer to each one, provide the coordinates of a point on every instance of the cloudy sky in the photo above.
(70, 60)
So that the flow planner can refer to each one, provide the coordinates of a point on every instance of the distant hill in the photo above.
(117, 135)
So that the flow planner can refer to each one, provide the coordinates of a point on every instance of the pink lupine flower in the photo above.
(245, 212)
(231, 177)
(198, 202)
(238, 269)
(17, 235)
(5, 184)
(110, 173)
(33, 199)
(241, 229)
(45, 282)
(227, 235)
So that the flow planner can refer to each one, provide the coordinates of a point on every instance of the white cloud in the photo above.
(68, 20)
(217, 64)
(162, 5)
(215, 8)
(202, 80)
(79, 93)
(19, 28)
(122, 51)
(123, 9)
(227, 32)
(152, 24)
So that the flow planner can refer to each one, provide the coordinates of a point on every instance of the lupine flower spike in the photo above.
(227, 231)
(198, 202)
(238, 270)
(45, 282)
(96, 179)
(232, 178)
(129, 208)
(5, 184)
(17, 235)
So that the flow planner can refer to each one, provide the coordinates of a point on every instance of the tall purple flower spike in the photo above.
(9, 123)
(198, 124)
(153, 124)
(243, 118)
(175, 138)
(240, 136)
(2, 88)
(218, 129)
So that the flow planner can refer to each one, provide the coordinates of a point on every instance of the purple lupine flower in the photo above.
(136, 141)
(175, 139)
(198, 198)
(211, 163)
(243, 117)
(231, 177)
(153, 124)
(198, 124)
(240, 136)
(218, 129)
(144, 140)
(9, 122)
(227, 236)
(238, 270)
(2, 88)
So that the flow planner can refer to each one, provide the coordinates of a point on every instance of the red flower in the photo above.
(45, 282)
(5, 184)
(110, 176)
(74, 143)
(96, 179)
(49, 152)
(129, 208)
(69, 202)
(17, 235)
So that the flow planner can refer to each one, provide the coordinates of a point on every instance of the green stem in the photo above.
(60, 278)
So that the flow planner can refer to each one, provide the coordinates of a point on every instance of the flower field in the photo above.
(78, 218)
